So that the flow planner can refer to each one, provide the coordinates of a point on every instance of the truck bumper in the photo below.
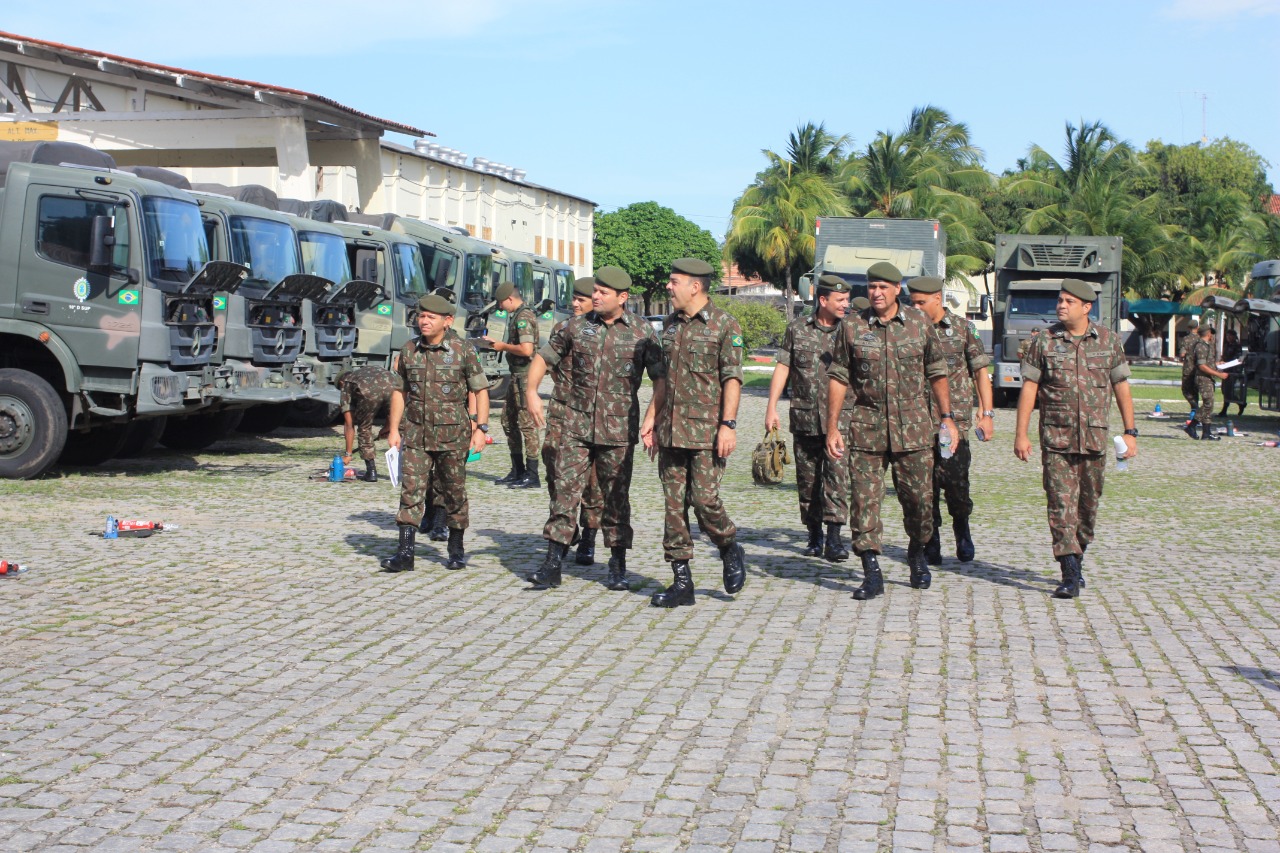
(243, 383)
(162, 391)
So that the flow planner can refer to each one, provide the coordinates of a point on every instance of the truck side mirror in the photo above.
(369, 269)
(1124, 309)
(102, 241)
(544, 306)
(984, 307)
(804, 288)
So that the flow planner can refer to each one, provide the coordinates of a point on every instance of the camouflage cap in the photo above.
(883, 271)
(925, 284)
(615, 278)
(434, 303)
(585, 286)
(691, 266)
(860, 303)
(506, 290)
(1081, 290)
(833, 283)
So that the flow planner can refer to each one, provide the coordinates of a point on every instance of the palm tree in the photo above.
(811, 148)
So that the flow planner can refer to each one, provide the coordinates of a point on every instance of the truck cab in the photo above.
(1260, 337)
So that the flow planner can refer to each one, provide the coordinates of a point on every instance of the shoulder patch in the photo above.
(522, 324)
(737, 340)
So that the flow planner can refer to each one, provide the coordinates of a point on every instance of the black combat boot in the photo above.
(1206, 433)
(1190, 429)
(1080, 564)
(370, 474)
(735, 569)
(586, 553)
(530, 479)
(835, 552)
(680, 592)
(964, 539)
(548, 574)
(516, 472)
(933, 548)
(434, 524)
(1070, 586)
(813, 548)
(618, 570)
(872, 579)
(921, 578)
(402, 560)
(457, 553)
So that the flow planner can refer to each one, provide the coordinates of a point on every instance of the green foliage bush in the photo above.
(762, 324)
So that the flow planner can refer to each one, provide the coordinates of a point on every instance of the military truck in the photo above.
(1260, 314)
(847, 246)
(1029, 274)
(106, 306)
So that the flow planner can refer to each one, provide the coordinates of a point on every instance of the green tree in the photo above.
(762, 324)
(644, 238)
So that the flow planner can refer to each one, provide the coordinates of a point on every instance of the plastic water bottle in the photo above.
(1157, 411)
(10, 569)
(1231, 428)
(1122, 464)
(944, 442)
(337, 470)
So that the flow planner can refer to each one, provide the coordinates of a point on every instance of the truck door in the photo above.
(96, 310)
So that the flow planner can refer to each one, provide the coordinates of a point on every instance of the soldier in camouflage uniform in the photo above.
(606, 353)
(366, 391)
(966, 372)
(517, 424)
(1188, 338)
(821, 484)
(691, 424)
(887, 358)
(434, 374)
(1199, 375)
(1071, 371)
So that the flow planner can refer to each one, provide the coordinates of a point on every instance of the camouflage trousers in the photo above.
(422, 471)
(691, 478)
(517, 423)
(951, 479)
(913, 481)
(1203, 391)
(1073, 484)
(822, 485)
(363, 416)
(577, 465)
(592, 498)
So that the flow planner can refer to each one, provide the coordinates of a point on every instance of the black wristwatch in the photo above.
(731, 424)
(1132, 432)
(483, 428)
(945, 416)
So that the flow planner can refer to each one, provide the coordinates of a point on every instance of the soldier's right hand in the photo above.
(835, 445)
(771, 420)
(1022, 448)
(533, 402)
(393, 438)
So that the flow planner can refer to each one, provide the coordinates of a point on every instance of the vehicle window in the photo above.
(268, 248)
(1042, 304)
(411, 277)
(542, 288)
(476, 286)
(500, 273)
(522, 276)
(65, 227)
(564, 289)
(325, 255)
(175, 240)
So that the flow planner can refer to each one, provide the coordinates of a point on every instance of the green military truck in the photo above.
(847, 246)
(106, 306)
(1259, 311)
(1029, 274)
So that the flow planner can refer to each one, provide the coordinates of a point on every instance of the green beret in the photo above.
(691, 266)
(445, 293)
(833, 283)
(1081, 290)
(615, 278)
(883, 271)
(925, 284)
(860, 303)
(585, 286)
(1208, 329)
(506, 290)
(436, 304)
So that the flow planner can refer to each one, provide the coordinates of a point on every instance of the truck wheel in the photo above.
(33, 425)
(498, 390)
(261, 420)
(87, 449)
(199, 431)
(312, 414)
(143, 437)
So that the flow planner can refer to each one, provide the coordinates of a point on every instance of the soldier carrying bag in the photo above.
(768, 459)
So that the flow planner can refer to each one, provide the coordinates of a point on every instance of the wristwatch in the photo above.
(946, 416)
(989, 413)
(1132, 432)
(483, 428)
(731, 424)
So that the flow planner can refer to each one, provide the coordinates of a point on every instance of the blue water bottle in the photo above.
(337, 470)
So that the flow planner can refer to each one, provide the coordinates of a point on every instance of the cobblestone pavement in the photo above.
(252, 682)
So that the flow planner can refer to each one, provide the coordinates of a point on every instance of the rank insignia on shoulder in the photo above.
(737, 340)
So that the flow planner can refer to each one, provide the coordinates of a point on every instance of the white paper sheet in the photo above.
(393, 466)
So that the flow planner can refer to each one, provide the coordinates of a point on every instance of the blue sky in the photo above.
(632, 100)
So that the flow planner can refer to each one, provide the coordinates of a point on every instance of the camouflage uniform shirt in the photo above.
(604, 363)
(1075, 379)
(435, 381)
(965, 357)
(887, 367)
(522, 328)
(806, 351)
(700, 353)
(366, 390)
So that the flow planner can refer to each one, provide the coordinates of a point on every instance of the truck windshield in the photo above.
(522, 277)
(1042, 303)
(1264, 287)
(411, 277)
(176, 245)
(475, 284)
(325, 255)
(266, 247)
(441, 266)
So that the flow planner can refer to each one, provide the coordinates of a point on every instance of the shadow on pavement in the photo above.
(1264, 677)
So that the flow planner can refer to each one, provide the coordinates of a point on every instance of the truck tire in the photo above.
(143, 437)
(199, 431)
(312, 414)
(498, 390)
(260, 420)
(87, 449)
(33, 425)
